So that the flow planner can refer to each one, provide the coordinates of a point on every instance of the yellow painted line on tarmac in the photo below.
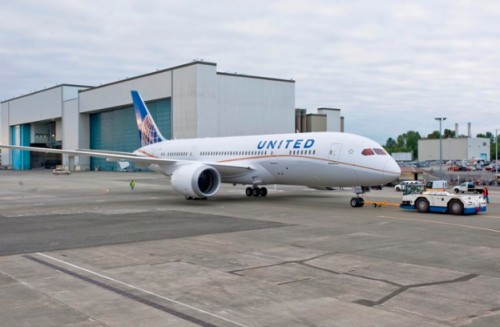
(442, 223)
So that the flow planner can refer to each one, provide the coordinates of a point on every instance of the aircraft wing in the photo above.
(223, 168)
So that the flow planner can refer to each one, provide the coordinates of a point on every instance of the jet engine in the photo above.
(196, 180)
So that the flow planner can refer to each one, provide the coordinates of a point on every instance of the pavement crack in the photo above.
(293, 281)
(456, 280)
(319, 268)
(407, 287)
(238, 271)
(375, 279)
(301, 261)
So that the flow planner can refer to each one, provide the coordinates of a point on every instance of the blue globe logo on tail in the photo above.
(148, 131)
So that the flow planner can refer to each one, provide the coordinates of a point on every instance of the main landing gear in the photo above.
(256, 191)
(191, 198)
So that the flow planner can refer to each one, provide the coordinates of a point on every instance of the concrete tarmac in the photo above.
(86, 250)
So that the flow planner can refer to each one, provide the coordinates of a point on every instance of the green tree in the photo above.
(406, 142)
(433, 135)
(448, 133)
(390, 143)
(412, 138)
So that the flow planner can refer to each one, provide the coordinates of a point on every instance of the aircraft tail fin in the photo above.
(148, 131)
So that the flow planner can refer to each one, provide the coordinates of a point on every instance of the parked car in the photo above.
(61, 171)
(401, 185)
(437, 185)
(490, 167)
(468, 187)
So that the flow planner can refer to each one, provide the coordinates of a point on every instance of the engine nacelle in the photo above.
(196, 180)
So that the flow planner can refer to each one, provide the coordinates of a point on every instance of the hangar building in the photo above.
(466, 148)
(187, 101)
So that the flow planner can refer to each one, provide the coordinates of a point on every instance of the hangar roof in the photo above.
(47, 89)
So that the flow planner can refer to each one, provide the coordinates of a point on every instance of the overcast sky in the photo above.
(391, 66)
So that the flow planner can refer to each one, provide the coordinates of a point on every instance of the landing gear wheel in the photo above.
(256, 191)
(354, 202)
(357, 202)
(456, 207)
(422, 205)
(361, 202)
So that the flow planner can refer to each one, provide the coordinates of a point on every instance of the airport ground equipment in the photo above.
(378, 204)
(443, 202)
(468, 187)
(359, 201)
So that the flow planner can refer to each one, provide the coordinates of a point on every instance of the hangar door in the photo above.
(116, 130)
(20, 135)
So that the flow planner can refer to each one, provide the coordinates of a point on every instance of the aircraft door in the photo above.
(194, 154)
(334, 155)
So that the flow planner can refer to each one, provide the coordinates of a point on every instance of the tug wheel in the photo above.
(456, 207)
(422, 205)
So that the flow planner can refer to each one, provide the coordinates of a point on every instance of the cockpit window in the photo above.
(380, 151)
(367, 152)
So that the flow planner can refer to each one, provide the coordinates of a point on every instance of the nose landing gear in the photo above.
(256, 191)
(358, 201)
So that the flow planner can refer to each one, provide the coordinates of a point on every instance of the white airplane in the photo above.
(197, 167)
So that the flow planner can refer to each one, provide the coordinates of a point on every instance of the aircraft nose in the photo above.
(392, 169)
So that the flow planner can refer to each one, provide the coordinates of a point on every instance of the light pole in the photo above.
(440, 119)
(496, 156)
